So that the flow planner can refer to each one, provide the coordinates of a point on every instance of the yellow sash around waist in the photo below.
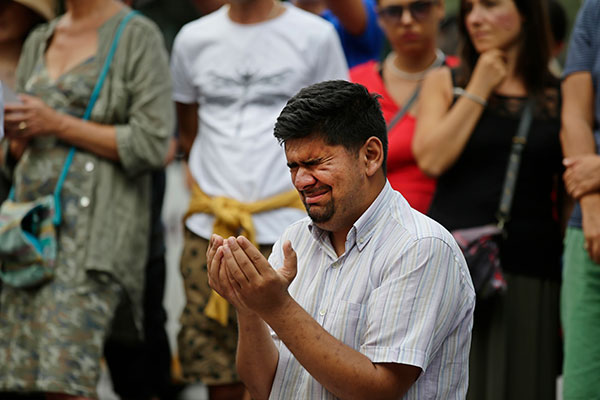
(233, 218)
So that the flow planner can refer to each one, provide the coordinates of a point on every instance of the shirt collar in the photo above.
(365, 225)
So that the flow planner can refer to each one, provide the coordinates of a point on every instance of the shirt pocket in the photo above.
(347, 323)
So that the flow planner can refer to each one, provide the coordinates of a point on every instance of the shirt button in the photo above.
(89, 166)
(335, 264)
(322, 312)
(84, 201)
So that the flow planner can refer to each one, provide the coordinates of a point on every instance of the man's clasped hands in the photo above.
(239, 272)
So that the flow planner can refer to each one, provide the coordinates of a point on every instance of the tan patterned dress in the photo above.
(51, 337)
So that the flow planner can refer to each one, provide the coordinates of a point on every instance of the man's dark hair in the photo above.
(340, 112)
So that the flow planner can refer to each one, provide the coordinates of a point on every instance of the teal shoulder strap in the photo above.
(88, 112)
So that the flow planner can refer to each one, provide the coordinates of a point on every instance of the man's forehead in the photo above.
(307, 146)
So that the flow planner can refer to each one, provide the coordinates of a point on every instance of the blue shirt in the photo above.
(360, 48)
(584, 55)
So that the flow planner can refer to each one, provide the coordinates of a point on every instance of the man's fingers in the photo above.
(214, 243)
(245, 264)
(592, 246)
(253, 254)
(232, 264)
(226, 277)
(290, 262)
(594, 253)
(212, 266)
(233, 284)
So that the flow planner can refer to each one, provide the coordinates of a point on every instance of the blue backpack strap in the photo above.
(107, 62)
(88, 112)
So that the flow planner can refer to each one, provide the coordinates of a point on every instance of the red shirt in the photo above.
(402, 170)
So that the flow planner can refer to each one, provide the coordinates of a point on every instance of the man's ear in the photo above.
(372, 155)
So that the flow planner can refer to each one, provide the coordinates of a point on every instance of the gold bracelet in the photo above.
(458, 91)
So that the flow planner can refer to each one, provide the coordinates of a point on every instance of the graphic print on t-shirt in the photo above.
(244, 88)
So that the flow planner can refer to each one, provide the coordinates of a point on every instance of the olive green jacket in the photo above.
(113, 214)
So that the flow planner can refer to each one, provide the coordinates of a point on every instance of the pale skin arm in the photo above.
(582, 176)
(343, 371)
(579, 149)
(443, 129)
(351, 13)
(43, 120)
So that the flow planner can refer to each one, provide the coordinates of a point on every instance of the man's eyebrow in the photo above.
(313, 161)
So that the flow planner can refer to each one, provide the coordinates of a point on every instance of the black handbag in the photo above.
(480, 244)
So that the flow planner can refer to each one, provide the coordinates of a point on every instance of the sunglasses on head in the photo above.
(419, 10)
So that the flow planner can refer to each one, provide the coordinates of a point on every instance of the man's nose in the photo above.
(303, 179)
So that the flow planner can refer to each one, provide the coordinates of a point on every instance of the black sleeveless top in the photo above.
(468, 193)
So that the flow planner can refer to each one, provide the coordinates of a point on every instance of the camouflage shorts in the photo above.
(206, 348)
(51, 338)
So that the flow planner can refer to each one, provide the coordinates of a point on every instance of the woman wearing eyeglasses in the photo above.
(466, 124)
(411, 28)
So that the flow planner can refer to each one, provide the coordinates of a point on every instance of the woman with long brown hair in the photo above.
(465, 129)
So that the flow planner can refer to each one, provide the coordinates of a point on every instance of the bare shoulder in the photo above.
(439, 79)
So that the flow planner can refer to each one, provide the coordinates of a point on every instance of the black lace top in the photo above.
(468, 193)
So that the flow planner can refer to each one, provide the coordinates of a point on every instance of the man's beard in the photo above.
(322, 214)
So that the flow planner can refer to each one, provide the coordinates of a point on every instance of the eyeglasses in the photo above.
(419, 11)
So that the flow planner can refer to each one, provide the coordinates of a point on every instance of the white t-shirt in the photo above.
(241, 76)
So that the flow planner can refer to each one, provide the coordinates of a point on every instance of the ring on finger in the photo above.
(22, 125)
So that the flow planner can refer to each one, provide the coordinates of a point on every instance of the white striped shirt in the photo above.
(400, 293)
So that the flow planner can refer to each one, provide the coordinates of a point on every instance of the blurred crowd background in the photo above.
(170, 16)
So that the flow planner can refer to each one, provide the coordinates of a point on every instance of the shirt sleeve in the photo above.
(364, 47)
(142, 142)
(330, 60)
(415, 309)
(583, 48)
(183, 86)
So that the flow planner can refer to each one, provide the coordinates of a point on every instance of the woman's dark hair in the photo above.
(534, 53)
(558, 21)
(340, 112)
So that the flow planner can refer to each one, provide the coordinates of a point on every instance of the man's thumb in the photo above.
(290, 262)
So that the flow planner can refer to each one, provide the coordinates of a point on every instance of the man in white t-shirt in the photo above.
(233, 71)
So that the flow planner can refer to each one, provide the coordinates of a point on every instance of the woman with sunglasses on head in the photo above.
(464, 135)
(411, 27)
